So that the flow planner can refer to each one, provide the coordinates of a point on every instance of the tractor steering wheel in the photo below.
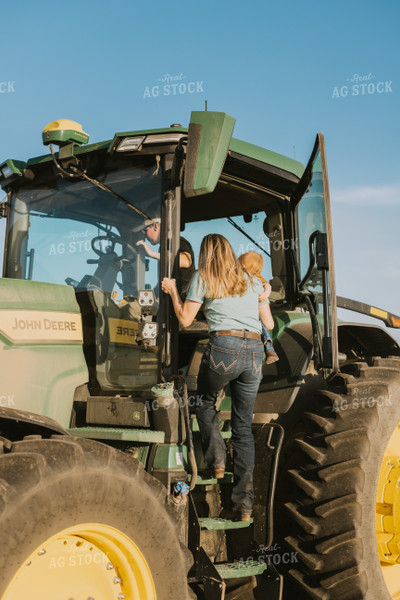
(113, 240)
(110, 248)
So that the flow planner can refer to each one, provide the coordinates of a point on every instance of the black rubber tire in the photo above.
(336, 458)
(49, 485)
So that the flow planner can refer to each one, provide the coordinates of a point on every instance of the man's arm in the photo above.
(151, 253)
(185, 260)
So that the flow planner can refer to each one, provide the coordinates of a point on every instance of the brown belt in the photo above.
(241, 333)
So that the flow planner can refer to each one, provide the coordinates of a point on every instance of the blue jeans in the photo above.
(265, 335)
(238, 362)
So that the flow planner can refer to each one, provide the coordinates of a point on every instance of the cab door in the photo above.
(313, 255)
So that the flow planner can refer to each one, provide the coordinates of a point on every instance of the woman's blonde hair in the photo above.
(220, 269)
(253, 263)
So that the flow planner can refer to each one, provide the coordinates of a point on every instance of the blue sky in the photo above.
(281, 69)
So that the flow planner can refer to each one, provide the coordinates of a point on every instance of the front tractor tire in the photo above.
(81, 520)
(343, 506)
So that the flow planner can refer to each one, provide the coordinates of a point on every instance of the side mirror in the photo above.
(208, 142)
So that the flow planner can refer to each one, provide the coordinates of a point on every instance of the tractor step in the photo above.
(204, 480)
(226, 434)
(113, 433)
(216, 523)
(246, 568)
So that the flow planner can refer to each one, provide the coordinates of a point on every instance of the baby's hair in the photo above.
(253, 263)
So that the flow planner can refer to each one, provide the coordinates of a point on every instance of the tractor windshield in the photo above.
(76, 233)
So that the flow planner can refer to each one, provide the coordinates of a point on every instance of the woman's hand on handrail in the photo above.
(169, 286)
(185, 311)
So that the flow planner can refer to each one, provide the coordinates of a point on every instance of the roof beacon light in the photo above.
(64, 131)
(396, 321)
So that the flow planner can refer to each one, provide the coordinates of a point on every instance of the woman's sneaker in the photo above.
(270, 354)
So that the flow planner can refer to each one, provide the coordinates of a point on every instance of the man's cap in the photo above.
(147, 223)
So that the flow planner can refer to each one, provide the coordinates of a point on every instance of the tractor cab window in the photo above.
(245, 234)
(78, 234)
(312, 222)
(257, 232)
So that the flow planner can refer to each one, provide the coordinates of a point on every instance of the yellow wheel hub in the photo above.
(85, 562)
(388, 515)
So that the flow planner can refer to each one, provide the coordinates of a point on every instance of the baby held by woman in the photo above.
(252, 262)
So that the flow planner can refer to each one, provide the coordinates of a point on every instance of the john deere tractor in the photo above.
(103, 492)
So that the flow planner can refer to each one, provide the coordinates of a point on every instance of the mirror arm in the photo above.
(323, 266)
(296, 265)
(316, 340)
(308, 297)
(312, 258)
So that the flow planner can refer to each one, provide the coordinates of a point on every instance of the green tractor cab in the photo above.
(103, 489)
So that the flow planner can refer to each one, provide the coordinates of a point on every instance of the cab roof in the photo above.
(245, 149)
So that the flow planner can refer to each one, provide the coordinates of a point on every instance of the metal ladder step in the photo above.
(195, 428)
(204, 480)
(118, 433)
(246, 568)
(216, 523)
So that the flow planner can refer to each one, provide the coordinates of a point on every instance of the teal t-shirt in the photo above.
(233, 312)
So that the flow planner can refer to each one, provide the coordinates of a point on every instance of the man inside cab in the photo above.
(152, 231)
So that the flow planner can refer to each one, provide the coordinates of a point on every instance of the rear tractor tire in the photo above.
(343, 510)
(80, 520)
